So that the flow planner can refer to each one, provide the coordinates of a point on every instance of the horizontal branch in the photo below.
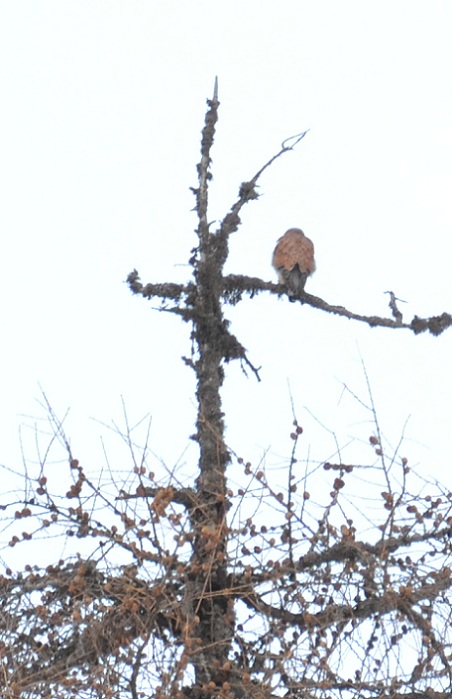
(360, 550)
(236, 284)
(166, 290)
(333, 614)
(182, 496)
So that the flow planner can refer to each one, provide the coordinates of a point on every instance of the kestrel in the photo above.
(293, 259)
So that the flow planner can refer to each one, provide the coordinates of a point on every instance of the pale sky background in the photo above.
(102, 107)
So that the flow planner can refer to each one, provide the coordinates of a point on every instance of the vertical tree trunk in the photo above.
(212, 616)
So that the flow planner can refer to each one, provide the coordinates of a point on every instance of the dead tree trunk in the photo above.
(210, 615)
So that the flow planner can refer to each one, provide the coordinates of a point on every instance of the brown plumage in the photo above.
(293, 259)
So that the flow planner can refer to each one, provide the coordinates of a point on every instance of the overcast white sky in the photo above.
(102, 107)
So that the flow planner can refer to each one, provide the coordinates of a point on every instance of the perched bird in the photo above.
(293, 259)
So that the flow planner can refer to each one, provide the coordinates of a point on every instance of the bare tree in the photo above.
(198, 591)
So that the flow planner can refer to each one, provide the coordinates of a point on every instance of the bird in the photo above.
(293, 259)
